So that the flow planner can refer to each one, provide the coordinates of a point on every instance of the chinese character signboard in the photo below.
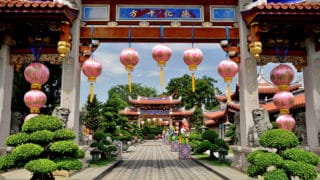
(159, 13)
(223, 14)
(95, 13)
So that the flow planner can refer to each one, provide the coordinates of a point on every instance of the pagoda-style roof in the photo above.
(167, 100)
(157, 113)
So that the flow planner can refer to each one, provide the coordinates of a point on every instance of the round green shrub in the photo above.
(194, 144)
(195, 136)
(210, 135)
(68, 164)
(297, 154)
(278, 138)
(111, 148)
(41, 166)
(41, 137)
(99, 135)
(277, 174)
(252, 155)
(80, 154)
(64, 147)
(254, 171)
(267, 159)
(63, 134)
(42, 122)
(17, 139)
(26, 151)
(303, 170)
(6, 162)
(205, 145)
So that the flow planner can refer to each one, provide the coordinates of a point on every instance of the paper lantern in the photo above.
(283, 100)
(35, 99)
(228, 69)
(129, 57)
(92, 69)
(161, 53)
(286, 121)
(193, 57)
(36, 74)
(282, 75)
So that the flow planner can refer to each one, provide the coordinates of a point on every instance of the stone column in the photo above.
(70, 88)
(311, 74)
(6, 80)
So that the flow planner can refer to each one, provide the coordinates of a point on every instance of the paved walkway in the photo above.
(150, 160)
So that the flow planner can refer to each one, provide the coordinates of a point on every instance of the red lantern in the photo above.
(282, 75)
(29, 116)
(193, 57)
(228, 69)
(283, 100)
(36, 74)
(161, 53)
(35, 99)
(286, 121)
(129, 58)
(92, 69)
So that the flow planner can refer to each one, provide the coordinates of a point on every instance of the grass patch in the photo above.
(102, 162)
(205, 157)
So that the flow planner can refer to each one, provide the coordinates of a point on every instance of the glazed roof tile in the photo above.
(30, 4)
(214, 114)
(290, 6)
(154, 100)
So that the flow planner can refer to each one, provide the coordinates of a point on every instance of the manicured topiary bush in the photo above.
(102, 145)
(214, 143)
(43, 147)
(285, 162)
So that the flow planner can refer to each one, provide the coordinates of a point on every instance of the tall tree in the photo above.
(122, 91)
(92, 113)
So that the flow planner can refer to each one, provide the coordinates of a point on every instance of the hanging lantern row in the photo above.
(129, 57)
(193, 57)
(282, 75)
(92, 69)
(161, 53)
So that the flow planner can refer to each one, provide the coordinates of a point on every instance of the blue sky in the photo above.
(146, 72)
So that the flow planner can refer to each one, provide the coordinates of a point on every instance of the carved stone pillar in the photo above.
(311, 74)
(6, 80)
(70, 90)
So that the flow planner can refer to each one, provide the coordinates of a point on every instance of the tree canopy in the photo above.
(122, 91)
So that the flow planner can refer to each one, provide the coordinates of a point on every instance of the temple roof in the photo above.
(168, 100)
(174, 112)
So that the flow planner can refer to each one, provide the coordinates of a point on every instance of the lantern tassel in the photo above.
(193, 83)
(228, 93)
(91, 92)
(161, 77)
(129, 82)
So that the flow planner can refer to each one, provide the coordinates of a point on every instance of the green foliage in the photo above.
(210, 135)
(252, 155)
(63, 134)
(41, 166)
(6, 161)
(80, 154)
(205, 145)
(277, 174)
(195, 136)
(122, 91)
(297, 154)
(99, 136)
(279, 139)
(266, 159)
(92, 113)
(42, 122)
(254, 171)
(27, 151)
(68, 164)
(17, 139)
(41, 137)
(64, 148)
(303, 170)
(231, 133)
(194, 146)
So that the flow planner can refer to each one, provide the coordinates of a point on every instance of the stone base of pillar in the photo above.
(240, 157)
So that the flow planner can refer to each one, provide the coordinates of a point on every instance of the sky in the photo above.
(146, 72)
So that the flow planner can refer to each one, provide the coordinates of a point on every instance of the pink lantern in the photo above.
(284, 100)
(142, 122)
(92, 69)
(282, 75)
(193, 57)
(161, 53)
(129, 57)
(36, 74)
(286, 122)
(35, 99)
(29, 116)
(227, 69)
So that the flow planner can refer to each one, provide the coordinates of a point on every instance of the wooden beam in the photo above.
(152, 34)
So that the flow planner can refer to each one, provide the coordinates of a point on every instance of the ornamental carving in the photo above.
(298, 61)
(19, 59)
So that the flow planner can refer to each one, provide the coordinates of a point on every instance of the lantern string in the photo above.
(227, 37)
(285, 53)
(129, 37)
(161, 77)
(192, 36)
(228, 93)
(35, 54)
(91, 92)
(91, 36)
(161, 33)
(193, 83)
(129, 81)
